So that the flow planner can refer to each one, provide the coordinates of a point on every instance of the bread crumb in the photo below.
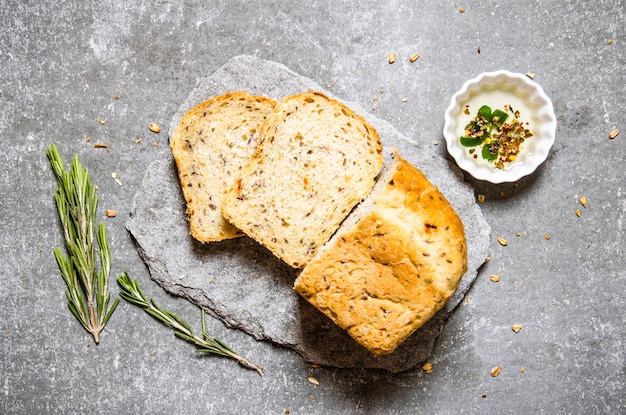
(392, 58)
(516, 328)
(427, 367)
(502, 241)
(110, 213)
(495, 371)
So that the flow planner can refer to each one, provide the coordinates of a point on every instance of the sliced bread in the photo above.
(210, 145)
(392, 264)
(315, 161)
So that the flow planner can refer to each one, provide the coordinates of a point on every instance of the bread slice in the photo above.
(316, 160)
(210, 145)
(393, 263)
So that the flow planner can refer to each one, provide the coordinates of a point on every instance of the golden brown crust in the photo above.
(395, 268)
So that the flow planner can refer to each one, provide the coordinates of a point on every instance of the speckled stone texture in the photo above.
(65, 65)
(244, 284)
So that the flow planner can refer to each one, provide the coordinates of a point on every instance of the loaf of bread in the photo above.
(210, 145)
(315, 161)
(392, 264)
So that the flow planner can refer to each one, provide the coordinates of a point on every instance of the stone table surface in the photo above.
(77, 73)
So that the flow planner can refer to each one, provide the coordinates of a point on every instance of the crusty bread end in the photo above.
(392, 265)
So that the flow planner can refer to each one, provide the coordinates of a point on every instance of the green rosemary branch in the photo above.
(130, 291)
(87, 287)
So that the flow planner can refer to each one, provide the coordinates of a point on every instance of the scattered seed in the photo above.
(405, 99)
(518, 234)
(101, 122)
(116, 97)
(609, 42)
(462, 10)
(516, 327)
(613, 134)
(392, 58)
(154, 128)
(487, 260)
(481, 198)
(578, 212)
(138, 140)
(503, 241)
(414, 57)
(102, 145)
(484, 395)
(428, 367)
(530, 75)
(495, 371)
(501, 194)
(478, 50)
(315, 366)
(494, 278)
(116, 177)
(155, 144)
(547, 236)
(110, 213)
(523, 369)
(314, 380)
(583, 201)
(87, 139)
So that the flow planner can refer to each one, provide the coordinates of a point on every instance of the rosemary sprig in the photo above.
(87, 287)
(130, 291)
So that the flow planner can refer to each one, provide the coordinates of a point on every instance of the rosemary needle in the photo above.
(131, 292)
(87, 287)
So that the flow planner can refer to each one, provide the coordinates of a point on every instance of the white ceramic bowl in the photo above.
(497, 89)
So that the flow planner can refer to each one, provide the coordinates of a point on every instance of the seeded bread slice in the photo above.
(392, 264)
(210, 145)
(316, 160)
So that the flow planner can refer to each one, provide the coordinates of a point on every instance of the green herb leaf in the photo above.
(87, 287)
(130, 291)
(485, 111)
(487, 154)
(498, 117)
(472, 141)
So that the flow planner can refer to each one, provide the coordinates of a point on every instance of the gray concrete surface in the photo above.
(63, 63)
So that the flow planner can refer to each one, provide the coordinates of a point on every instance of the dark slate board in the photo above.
(243, 284)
